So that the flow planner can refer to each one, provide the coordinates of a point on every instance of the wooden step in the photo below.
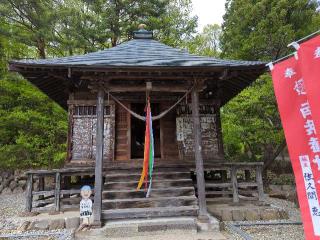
(150, 212)
(149, 202)
(218, 185)
(159, 192)
(136, 176)
(155, 184)
(156, 169)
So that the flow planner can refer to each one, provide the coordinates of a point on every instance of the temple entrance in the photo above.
(138, 131)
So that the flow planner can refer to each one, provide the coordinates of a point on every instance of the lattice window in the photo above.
(203, 109)
(89, 110)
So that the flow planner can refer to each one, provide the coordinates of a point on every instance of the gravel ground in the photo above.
(10, 207)
(275, 232)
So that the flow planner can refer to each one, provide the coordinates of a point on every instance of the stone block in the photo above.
(6, 191)
(72, 223)
(226, 215)
(252, 215)
(18, 190)
(238, 215)
(288, 188)
(215, 212)
(5, 183)
(283, 214)
(275, 188)
(40, 225)
(24, 226)
(22, 183)
(270, 214)
(56, 224)
(12, 185)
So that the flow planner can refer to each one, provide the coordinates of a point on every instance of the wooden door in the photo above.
(169, 146)
(122, 133)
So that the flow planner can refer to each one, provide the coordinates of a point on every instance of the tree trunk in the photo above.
(271, 157)
(41, 45)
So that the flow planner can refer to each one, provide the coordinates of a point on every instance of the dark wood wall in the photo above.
(176, 138)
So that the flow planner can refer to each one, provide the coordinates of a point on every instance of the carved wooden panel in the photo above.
(82, 138)
(184, 132)
(84, 133)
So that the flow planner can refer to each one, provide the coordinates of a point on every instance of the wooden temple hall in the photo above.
(105, 93)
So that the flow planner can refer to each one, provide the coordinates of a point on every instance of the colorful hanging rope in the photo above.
(148, 160)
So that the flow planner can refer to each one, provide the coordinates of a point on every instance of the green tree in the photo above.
(176, 26)
(91, 25)
(251, 125)
(207, 42)
(260, 30)
(30, 22)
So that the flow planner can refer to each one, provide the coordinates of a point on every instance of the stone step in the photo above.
(150, 212)
(158, 192)
(149, 202)
(139, 228)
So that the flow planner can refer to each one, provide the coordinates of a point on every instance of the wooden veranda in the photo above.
(101, 92)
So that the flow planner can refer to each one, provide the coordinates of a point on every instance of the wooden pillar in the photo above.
(259, 182)
(70, 130)
(57, 192)
(198, 155)
(99, 160)
(29, 192)
(234, 183)
(219, 133)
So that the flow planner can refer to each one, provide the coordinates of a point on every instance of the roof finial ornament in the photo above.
(142, 26)
(142, 33)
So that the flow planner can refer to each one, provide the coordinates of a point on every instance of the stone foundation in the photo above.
(12, 182)
(248, 212)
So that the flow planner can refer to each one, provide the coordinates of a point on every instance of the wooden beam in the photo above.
(198, 155)
(155, 88)
(99, 160)
(29, 192)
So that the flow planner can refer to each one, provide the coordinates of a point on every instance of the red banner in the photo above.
(309, 64)
(302, 141)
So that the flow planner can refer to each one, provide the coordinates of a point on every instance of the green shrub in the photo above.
(33, 129)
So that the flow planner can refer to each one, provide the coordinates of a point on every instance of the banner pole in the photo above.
(294, 43)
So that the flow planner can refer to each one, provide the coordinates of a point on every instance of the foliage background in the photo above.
(33, 128)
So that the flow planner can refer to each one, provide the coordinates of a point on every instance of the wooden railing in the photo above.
(229, 185)
(50, 199)
(54, 195)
